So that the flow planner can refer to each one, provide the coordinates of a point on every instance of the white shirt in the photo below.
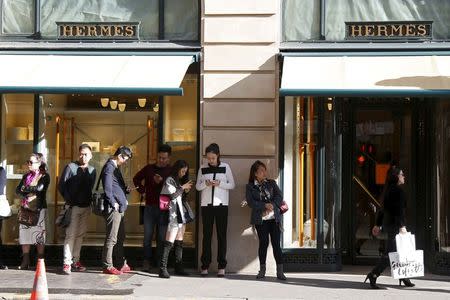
(218, 195)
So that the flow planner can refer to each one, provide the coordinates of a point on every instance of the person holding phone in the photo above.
(214, 180)
(176, 187)
(149, 181)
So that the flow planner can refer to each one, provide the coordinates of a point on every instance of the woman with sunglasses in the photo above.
(33, 189)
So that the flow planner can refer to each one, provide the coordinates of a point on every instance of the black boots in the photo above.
(163, 273)
(25, 262)
(280, 273)
(372, 280)
(179, 270)
(262, 272)
(406, 282)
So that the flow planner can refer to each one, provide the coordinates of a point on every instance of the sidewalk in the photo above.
(347, 284)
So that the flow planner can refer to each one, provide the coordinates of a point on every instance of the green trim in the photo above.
(90, 90)
(328, 53)
(362, 92)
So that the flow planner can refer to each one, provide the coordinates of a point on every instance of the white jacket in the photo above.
(215, 195)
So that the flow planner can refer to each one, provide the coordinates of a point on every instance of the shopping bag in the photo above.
(406, 245)
(412, 267)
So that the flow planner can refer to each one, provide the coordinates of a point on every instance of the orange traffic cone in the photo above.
(40, 288)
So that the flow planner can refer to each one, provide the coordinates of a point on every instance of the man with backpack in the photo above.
(75, 185)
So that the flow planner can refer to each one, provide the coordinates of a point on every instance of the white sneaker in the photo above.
(221, 273)
(204, 272)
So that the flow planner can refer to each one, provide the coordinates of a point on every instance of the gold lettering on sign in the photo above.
(92, 31)
(67, 30)
(422, 29)
(396, 30)
(369, 30)
(410, 30)
(105, 30)
(356, 30)
(382, 30)
(129, 30)
(118, 30)
(79, 31)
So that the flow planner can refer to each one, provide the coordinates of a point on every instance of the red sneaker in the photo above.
(125, 268)
(66, 269)
(78, 267)
(112, 271)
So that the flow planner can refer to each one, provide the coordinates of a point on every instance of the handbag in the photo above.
(284, 207)
(64, 216)
(28, 217)
(164, 201)
(98, 199)
(188, 213)
(5, 208)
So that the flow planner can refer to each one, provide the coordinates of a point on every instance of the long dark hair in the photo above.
(391, 181)
(214, 148)
(177, 166)
(253, 169)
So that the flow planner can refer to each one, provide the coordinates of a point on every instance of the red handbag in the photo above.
(164, 201)
(284, 207)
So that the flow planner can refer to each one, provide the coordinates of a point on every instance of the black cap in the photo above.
(124, 151)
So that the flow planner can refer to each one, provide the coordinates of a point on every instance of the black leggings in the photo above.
(272, 228)
(391, 246)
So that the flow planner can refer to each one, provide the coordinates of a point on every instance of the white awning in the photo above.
(368, 75)
(93, 73)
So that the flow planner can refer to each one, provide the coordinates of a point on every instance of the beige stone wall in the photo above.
(239, 105)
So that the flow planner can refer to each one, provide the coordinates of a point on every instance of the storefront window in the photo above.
(16, 147)
(17, 17)
(301, 18)
(181, 20)
(146, 12)
(442, 119)
(67, 120)
(306, 148)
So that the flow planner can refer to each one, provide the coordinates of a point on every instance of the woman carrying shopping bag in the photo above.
(392, 221)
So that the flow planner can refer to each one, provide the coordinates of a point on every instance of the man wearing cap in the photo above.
(115, 206)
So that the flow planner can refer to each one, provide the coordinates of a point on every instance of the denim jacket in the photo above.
(258, 195)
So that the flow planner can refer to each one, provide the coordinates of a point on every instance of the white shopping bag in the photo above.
(406, 245)
(412, 267)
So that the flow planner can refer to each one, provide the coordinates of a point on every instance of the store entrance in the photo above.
(381, 137)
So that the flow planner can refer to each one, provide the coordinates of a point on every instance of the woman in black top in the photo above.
(391, 220)
(2, 188)
(265, 199)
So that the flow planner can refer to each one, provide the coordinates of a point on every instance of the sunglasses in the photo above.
(30, 162)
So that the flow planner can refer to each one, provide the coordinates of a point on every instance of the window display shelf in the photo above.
(14, 176)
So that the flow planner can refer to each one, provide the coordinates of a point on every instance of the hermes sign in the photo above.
(388, 30)
(98, 31)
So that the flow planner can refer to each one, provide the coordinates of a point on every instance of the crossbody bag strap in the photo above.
(100, 178)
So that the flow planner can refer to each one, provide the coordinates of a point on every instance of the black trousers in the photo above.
(391, 246)
(1, 242)
(272, 228)
(219, 214)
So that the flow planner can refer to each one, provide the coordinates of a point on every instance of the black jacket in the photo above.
(394, 205)
(76, 184)
(114, 186)
(257, 201)
(40, 190)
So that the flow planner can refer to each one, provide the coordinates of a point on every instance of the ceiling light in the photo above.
(104, 102)
(113, 104)
(141, 102)
(156, 107)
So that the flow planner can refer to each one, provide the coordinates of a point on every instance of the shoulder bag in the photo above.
(5, 208)
(28, 217)
(98, 198)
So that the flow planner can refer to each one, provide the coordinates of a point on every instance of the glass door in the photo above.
(381, 138)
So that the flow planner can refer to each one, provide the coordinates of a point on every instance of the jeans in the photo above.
(115, 237)
(220, 215)
(154, 220)
(75, 233)
(272, 228)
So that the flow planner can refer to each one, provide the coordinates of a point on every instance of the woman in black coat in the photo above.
(391, 220)
(265, 199)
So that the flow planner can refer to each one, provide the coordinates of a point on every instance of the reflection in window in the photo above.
(181, 20)
(17, 16)
(301, 20)
(146, 12)
(442, 117)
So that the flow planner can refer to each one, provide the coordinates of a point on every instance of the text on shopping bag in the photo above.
(412, 267)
